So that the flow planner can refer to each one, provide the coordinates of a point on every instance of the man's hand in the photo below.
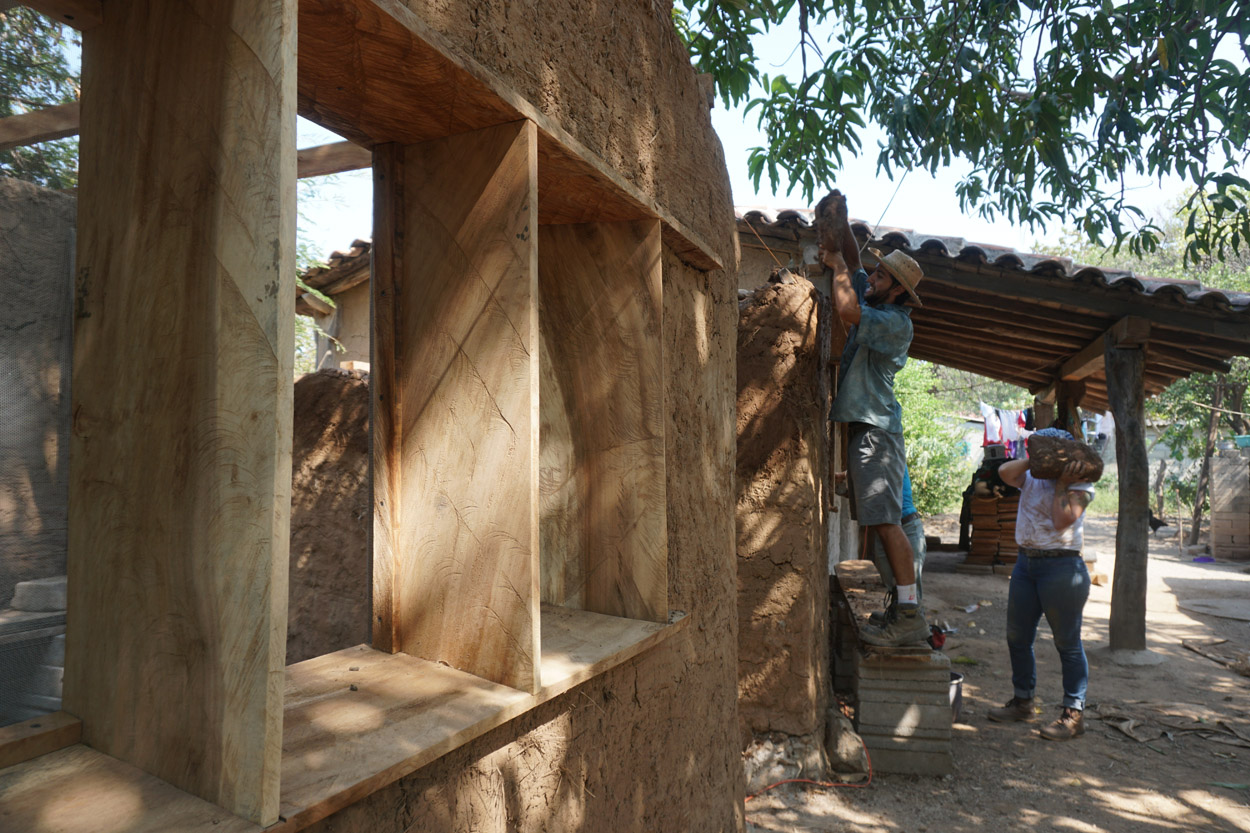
(828, 230)
(1073, 472)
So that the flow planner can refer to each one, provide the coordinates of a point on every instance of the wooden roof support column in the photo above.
(1126, 392)
(180, 468)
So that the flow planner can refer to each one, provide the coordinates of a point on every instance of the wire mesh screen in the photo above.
(36, 325)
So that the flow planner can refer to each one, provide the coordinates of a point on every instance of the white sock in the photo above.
(907, 594)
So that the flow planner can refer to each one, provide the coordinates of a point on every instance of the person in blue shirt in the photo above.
(913, 528)
(874, 307)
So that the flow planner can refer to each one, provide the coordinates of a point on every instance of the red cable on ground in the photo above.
(822, 783)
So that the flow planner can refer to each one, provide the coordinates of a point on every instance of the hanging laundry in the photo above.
(993, 427)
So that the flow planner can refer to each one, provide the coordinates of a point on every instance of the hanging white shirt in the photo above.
(1035, 526)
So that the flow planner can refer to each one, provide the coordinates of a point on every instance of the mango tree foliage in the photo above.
(1053, 103)
(35, 73)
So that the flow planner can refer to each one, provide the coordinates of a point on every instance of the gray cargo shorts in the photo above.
(874, 469)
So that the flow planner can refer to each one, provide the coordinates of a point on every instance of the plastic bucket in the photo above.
(957, 695)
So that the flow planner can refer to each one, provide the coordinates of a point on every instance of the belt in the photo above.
(1035, 553)
(910, 517)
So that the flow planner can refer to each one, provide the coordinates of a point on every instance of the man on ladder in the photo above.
(874, 307)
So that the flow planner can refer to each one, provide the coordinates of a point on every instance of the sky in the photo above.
(917, 201)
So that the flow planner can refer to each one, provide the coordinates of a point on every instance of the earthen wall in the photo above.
(782, 484)
(653, 744)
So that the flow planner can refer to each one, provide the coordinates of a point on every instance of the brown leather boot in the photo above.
(1071, 724)
(1017, 709)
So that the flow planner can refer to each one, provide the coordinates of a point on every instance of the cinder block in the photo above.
(39, 595)
(887, 733)
(43, 703)
(46, 680)
(928, 696)
(56, 651)
(903, 716)
(911, 763)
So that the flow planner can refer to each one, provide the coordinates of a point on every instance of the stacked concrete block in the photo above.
(1230, 505)
(32, 650)
(903, 710)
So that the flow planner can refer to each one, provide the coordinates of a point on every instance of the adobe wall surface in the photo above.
(36, 282)
(349, 325)
(782, 480)
(616, 77)
(652, 744)
(331, 570)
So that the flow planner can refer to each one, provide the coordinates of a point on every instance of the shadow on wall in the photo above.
(36, 247)
(331, 565)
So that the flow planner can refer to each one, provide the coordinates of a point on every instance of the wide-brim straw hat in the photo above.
(904, 269)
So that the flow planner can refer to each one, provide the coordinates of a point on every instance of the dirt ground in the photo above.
(1187, 769)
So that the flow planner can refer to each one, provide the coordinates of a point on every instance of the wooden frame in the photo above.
(456, 306)
(604, 523)
(180, 485)
(180, 482)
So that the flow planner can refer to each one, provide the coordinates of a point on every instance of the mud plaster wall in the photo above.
(782, 478)
(753, 270)
(653, 744)
(36, 282)
(349, 324)
(331, 569)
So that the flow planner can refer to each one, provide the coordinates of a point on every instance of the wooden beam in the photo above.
(39, 126)
(81, 14)
(603, 517)
(1129, 331)
(1125, 392)
(463, 424)
(180, 474)
(332, 159)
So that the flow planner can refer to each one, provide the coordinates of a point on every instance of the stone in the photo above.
(39, 595)
(844, 748)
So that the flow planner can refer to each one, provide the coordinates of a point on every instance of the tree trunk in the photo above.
(1128, 590)
(1163, 469)
(1204, 473)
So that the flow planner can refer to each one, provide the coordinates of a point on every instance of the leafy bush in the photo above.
(939, 472)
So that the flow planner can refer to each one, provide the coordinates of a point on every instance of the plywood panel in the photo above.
(180, 469)
(604, 515)
(466, 417)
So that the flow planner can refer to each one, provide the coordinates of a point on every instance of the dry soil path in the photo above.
(1186, 769)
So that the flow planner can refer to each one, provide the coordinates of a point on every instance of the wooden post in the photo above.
(180, 456)
(1068, 397)
(604, 517)
(455, 433)
(1125, 391)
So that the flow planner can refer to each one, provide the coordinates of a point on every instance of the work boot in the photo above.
(880, 618)
(907, 627)
(1017, 709)
(1071, 724)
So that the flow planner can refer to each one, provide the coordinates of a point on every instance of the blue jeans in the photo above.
(1059, 588)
